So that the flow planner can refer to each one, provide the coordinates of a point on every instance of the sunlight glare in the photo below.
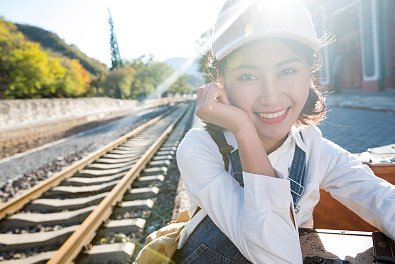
(241, 7)
(237, 10)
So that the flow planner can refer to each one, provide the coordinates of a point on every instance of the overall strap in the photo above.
(297, 173)
(237, 168)
(224, 147)
(227, 155)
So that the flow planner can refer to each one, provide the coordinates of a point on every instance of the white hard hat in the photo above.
(242, 21)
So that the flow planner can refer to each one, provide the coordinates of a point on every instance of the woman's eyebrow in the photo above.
(245, 66)
(290, 60)
(255, 67)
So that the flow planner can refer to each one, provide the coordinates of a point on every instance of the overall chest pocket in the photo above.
(204, 254)
(207, 244)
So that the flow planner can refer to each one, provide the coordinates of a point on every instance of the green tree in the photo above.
(97, 84)
(75, 81)
(29, 74)
(118, 81)
(10, 39)
(149, 75)
(180, 86)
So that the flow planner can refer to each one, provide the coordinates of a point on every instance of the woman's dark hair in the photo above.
(314, 109)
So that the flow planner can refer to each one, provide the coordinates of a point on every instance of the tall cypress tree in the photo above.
(116, 61)
(115, 56)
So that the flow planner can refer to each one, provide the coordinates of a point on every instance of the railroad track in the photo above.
(63, 219)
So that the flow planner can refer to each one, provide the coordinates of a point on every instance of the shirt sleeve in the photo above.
(256, 218)
(355, 185)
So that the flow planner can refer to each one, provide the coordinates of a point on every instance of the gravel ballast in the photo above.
(22, 171)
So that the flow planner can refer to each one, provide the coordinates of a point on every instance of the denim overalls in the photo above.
(207, 243)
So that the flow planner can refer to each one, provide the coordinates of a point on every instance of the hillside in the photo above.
(41, 65)
(51, 41)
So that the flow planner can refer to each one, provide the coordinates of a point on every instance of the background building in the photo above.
(363, 55)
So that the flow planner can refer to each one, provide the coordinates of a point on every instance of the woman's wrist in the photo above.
(253, 155)
(245, 131)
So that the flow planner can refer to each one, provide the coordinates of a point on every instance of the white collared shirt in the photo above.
(256, 218)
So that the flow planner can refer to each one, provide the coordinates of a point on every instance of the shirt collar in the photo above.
(295, 134)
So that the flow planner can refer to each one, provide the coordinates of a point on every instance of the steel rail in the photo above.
(18, 202)
(86, 232)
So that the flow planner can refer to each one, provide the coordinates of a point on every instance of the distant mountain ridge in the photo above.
(51, 41)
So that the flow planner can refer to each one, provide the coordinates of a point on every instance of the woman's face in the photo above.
(270, 82)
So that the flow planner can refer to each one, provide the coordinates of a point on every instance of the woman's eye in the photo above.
(247, 77)
(287, 71)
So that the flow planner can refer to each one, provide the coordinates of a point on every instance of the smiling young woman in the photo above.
(267, 105)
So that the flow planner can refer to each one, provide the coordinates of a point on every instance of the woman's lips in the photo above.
(273, 117)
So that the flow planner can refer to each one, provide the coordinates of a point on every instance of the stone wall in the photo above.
(17, 113)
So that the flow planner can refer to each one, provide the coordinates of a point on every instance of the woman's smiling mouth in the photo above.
(273, 117)
(273, 114)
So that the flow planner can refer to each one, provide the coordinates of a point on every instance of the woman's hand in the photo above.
(213, 106)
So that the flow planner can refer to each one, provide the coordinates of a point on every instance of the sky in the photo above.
(163, 28)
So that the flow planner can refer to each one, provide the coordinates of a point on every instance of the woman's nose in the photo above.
(268, 92)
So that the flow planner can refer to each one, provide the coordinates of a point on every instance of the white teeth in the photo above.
(274, 115)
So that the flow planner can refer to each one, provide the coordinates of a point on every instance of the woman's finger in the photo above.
(223, 94)
(199, 93)
(207, 93)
